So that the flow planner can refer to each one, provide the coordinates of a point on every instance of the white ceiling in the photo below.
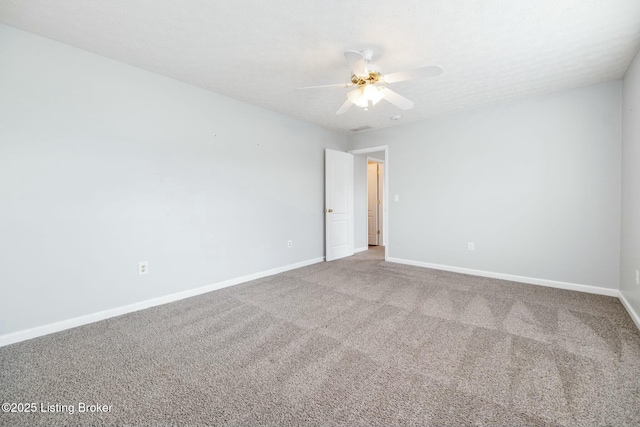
(261, 51)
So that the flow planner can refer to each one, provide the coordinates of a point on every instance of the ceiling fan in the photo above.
(370, 83)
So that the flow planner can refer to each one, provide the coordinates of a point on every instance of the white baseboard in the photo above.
(50, 328)
(634, 316)
(513, 278)
(365, 248)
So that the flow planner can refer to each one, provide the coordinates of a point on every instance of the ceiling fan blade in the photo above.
(396, 99)
(347, 104)
(416, 73)
(356, 62)
(338, 85)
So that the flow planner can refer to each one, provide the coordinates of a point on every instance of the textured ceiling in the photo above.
(261, 51)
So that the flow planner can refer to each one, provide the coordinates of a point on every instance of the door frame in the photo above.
(385, 192)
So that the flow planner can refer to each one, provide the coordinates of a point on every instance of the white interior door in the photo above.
(372, 203)
(338, 204)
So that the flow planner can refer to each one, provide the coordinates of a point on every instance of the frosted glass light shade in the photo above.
(362, 95)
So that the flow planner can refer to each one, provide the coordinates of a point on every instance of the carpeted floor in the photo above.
(357, 341)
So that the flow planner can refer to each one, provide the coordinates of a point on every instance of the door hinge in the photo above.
(378, 202)
(378, 231)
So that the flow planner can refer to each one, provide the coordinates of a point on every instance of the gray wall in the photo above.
(630, 236)
(535, 184)
(103, 165)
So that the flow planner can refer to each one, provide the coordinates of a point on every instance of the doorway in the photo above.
(375, 213)
(379, 154)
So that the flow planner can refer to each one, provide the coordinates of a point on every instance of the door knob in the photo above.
(330, 210)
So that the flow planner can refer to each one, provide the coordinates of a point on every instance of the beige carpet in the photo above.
(357, 341)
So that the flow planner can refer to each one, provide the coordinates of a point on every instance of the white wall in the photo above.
(103, 165)
(630, 236)
(535, 184)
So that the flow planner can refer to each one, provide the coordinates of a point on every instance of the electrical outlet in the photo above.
(290, 243)
(143, 268)
(637, 277)
(471, 246)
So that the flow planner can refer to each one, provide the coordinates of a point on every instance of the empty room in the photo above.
(291, 213)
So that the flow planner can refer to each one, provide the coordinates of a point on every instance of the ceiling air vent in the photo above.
(361, 128)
